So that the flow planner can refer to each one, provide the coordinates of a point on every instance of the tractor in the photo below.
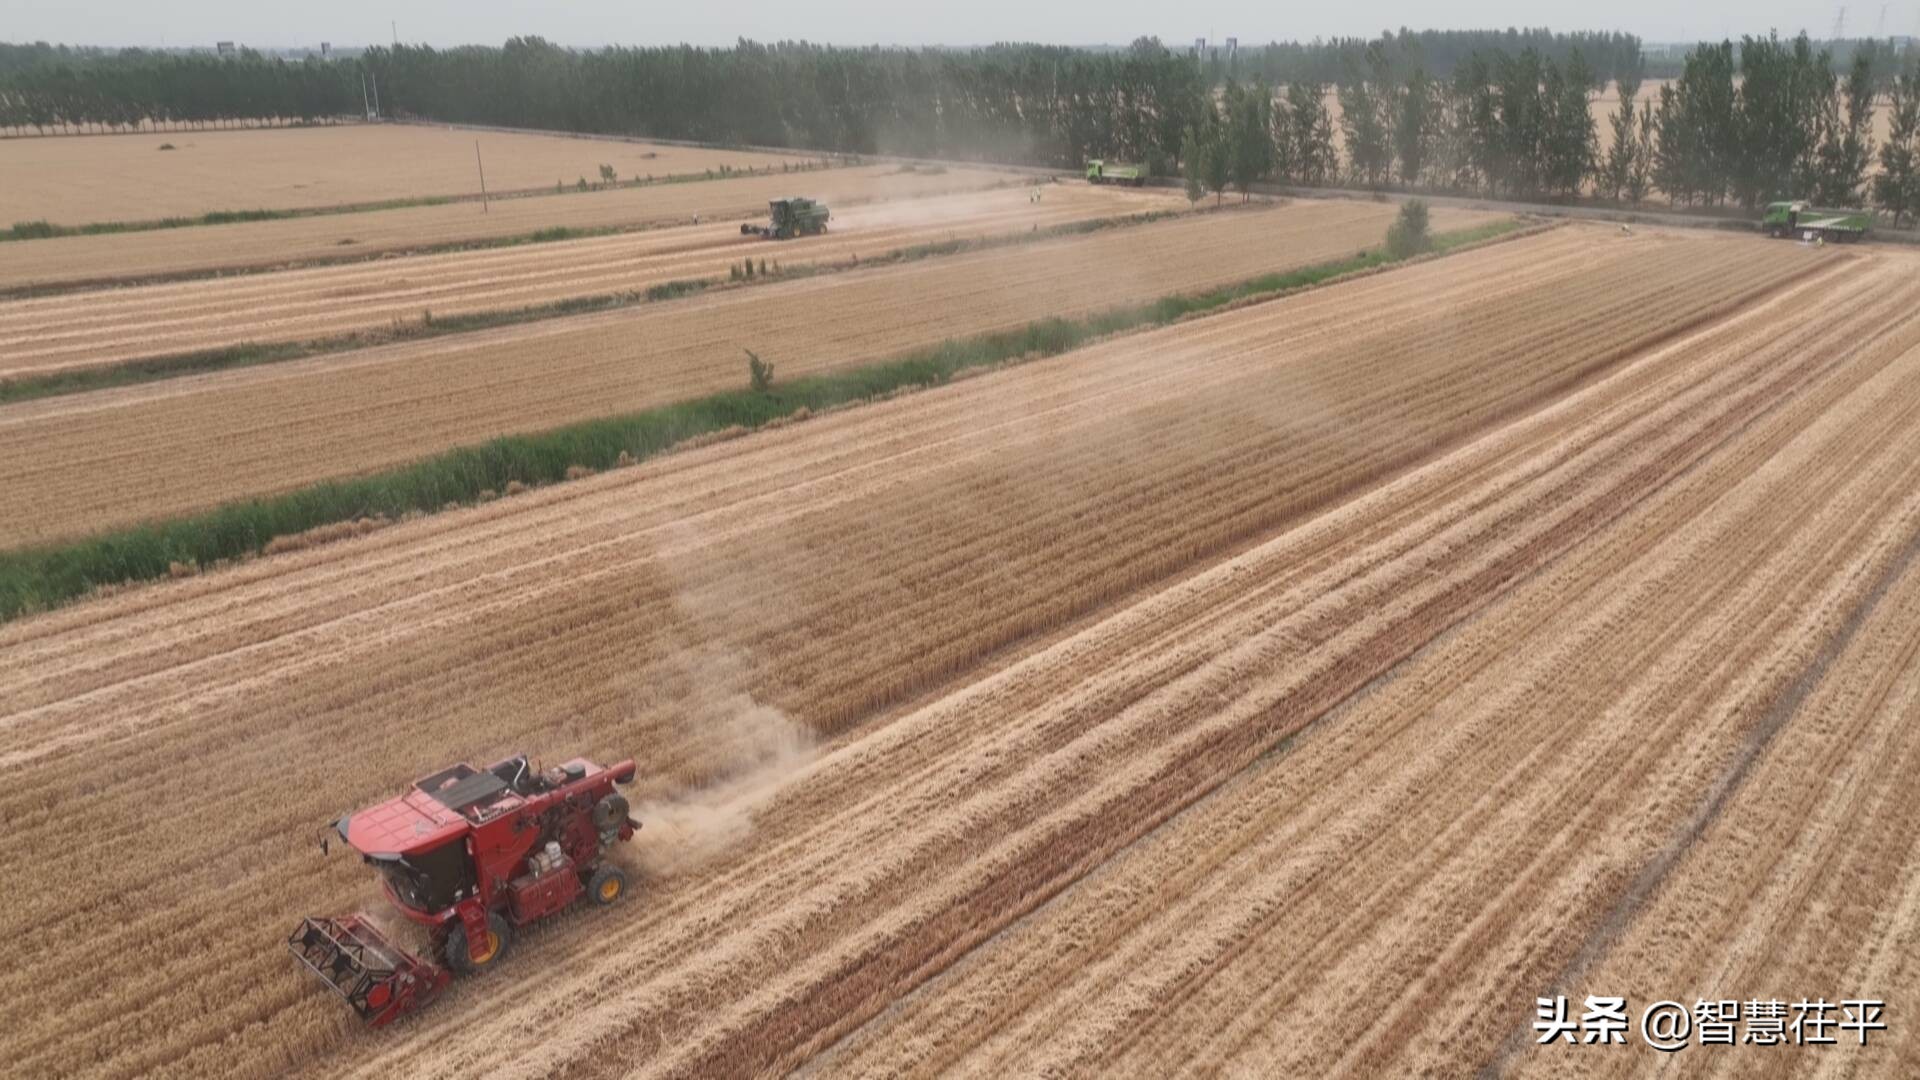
(470, 854)
(788, 218)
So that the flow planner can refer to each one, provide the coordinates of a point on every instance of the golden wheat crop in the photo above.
(89, 178)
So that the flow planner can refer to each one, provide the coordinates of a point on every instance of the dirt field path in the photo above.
(108, 326)
(93, 461)
(1138, 711)
(205, 249)
(89, 178)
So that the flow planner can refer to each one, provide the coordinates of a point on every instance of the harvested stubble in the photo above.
(109, 326)
(116, 457)
(1542, 519)
(137, 256)
(73, 181)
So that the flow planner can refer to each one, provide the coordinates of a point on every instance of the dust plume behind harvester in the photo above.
(472, 855)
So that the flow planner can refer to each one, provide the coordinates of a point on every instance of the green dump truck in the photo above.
(1802, 221)
(1101, 172)
(788, 218)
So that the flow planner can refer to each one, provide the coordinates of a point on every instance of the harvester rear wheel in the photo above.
(461, 959)
(607, 885)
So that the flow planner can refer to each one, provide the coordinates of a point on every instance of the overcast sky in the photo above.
(271, 23)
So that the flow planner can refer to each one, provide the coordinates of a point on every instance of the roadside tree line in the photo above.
(1767, 120)
(93, 91)
(1437, 111)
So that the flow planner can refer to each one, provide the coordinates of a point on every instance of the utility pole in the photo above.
(366, 109)
(376, 95)
(483, 175)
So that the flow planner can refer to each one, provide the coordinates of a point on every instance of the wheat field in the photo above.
(1299, 690)
(92, 178)
(94, 461)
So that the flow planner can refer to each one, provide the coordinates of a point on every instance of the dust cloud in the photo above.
(761, 748)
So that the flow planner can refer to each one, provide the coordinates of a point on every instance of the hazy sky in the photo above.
(712, 22)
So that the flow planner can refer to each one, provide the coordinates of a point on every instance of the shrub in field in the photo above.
(1408, 234)
(32, 230)
(759, 372)
(607, 175)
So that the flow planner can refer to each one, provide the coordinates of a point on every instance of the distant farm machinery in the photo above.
(1100, 171)
(1803, 221)
(788, 218)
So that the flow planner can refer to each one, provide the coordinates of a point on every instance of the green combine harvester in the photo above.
(1801, 221)
(788, 218)
(1099, 172)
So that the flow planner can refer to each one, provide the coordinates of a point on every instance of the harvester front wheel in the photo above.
(462, 959)
(607, 885)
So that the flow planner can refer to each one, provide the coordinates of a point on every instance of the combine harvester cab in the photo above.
(471, 855)
(788, 218)
(1800, 220)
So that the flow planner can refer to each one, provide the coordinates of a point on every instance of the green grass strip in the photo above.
(34, 579)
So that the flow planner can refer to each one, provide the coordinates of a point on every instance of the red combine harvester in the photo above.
(471, 854)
